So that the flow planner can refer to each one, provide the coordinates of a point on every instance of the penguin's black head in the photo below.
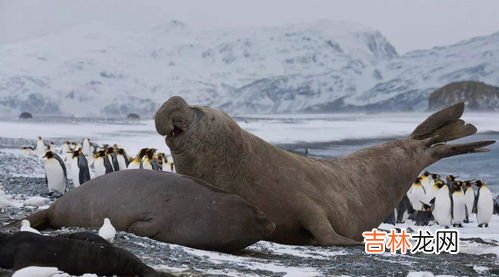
(120, 151)
(435, 176)
(426, 207)
(109, 150)
(418, 181)
(49, 155)
(39, 137)
(143, 152)
(426, 173)
(468, 183)
(101, 153)
(458, 185)
(450, 178)
(76, 153)
(479, 183)
(439, 183)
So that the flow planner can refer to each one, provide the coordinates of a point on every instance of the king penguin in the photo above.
(85, 147)
(79, 169)
(41, 149)
(469, 200)
(417, 195)
(102, 165)
(484, 204)
(458, 205)
(426, 180)
(137, 161)
(122, 158)
(442, 210)
(111, 155)
(148, 161)
(55, 173)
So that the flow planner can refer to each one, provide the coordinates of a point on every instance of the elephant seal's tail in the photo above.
(39, 220)
(444, 126)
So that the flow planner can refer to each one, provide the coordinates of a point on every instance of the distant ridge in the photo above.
(97, 70)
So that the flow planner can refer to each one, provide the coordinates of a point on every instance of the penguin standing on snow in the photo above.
(41, 149)
(65, 149)
(469, 200)
(426, 180)
(458, 205)
(80, 172)
(417, 195)
(149, 162)
(85, 147)
(484, 204)
(442, 206)
(102, 165)
(122, 158)
(432, 191)
(55, 173)
(111, 155)
(137, 161)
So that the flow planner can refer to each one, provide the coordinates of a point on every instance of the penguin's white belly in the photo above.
(55, 176)
(68, 155)
(431, 193)
(75, 172)
(40, 148)
(459, 213)
(442, 209)
(418, 196)
(99, 167)
(485, 206)
(134, 165)
(426, 183)
(147, 165)
(121, 162)
(86, 148)
(469, 200)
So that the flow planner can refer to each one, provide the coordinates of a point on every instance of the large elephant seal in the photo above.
(162, 206)
(312, 201)
(73, 256)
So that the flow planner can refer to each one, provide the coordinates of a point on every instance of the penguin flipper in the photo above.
(451, 207)
(475, 202)
(61, 162)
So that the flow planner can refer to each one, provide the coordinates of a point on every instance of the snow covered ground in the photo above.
(21, 178)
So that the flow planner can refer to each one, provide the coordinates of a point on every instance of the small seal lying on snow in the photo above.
(162, 206)
(312, 201)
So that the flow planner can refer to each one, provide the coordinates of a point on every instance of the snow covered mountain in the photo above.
(99, 70)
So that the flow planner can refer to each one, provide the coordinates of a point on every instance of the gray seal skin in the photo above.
(162, 206)
(73, 256)
(312, 201)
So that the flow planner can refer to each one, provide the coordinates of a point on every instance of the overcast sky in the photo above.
(408, 25)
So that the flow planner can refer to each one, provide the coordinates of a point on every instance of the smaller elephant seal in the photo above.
(73, 256)
(163, 206)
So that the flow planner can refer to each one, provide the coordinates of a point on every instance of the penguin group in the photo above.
(448, 203)
(81, 161)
